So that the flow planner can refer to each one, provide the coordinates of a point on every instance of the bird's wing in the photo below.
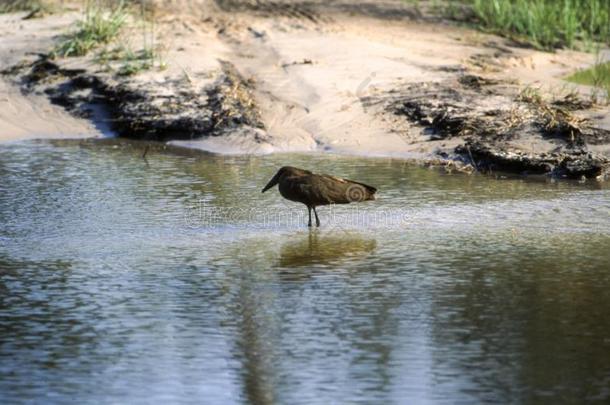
(301, 188)
(348, 182)
(332, 189)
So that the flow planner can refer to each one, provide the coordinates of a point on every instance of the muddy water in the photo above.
(173, 279)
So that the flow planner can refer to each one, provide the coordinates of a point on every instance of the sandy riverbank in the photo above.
(30, 115)
(371, 78)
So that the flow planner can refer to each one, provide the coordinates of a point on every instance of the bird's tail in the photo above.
(370, 190)
(360, 192)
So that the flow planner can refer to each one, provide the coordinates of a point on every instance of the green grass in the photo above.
(531, 95)
(34, 7)
(98, 27)
(546, 24)
(130, 62)
(140, 61)
(597, 76)
(105, 26)
(12, 6)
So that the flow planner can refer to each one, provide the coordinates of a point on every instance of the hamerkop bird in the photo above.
(318, 189)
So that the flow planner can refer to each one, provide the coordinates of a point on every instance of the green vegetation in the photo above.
(545, 24)
(98, 27)
(12, 6)
(103, 26)
(597, 76)
(130, 62)
(530, 95)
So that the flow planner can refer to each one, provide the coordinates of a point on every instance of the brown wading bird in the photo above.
(318, 189)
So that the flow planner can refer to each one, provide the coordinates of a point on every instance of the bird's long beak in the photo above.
(272, 182)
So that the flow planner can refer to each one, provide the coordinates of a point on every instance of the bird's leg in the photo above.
(317, 219)
(309, 210)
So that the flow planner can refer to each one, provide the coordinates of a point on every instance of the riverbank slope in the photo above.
(376, 78)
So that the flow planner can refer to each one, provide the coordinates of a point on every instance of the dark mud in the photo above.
(494, 120)
(271, 8)
(176, 109)
(322, 11)
(491, 120)
(573, 165)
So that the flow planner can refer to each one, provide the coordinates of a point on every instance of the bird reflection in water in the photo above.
(318, 249)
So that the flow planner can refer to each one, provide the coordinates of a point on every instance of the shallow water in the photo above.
(172, 278)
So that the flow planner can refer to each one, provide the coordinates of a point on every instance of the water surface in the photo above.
(173, 279)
